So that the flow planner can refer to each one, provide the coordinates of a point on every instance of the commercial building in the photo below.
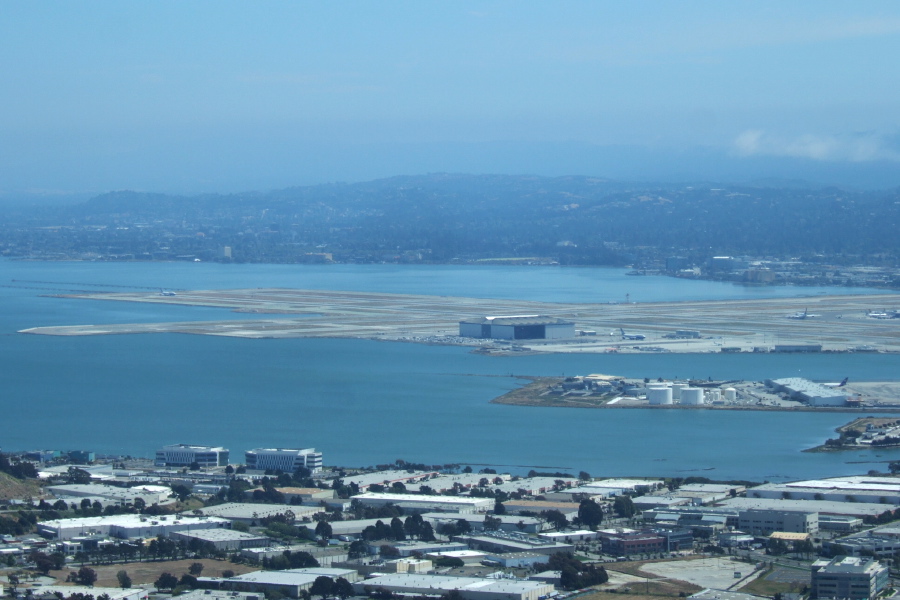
(288, 583)
(184, 455)
(109, 494)
(469, 557)
(850, 577)
(568, 509)
(469, 588)
(416, 548)
(250, 513)
(225, 540)
(517, 560)
(881, 541)
(518, 327)
(417, 503)
(219, 595)
(623, 542)
(804, 390)
(859, 488)
(768, 521)
(53, 592)
(286, 460)
(126, 526)
(409, 565)
(846, 508)
(305, 495)
(501, 542)
(326, 556)
(476, 522)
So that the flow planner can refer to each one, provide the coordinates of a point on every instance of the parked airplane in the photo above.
(631, 336)
(163, 292)
(837, 385)
(803, 315)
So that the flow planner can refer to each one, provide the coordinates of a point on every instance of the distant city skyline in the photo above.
(221, 96)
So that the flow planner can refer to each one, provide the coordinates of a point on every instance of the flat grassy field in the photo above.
(148, 572)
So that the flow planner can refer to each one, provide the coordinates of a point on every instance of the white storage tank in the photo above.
(692, 396)
(713, 396)
(659, 395)
(730, 394)
(676, 390)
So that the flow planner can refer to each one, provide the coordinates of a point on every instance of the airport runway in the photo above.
(840, 322)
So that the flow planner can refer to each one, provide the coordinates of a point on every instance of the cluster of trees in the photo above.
(289, 560)
(326, 587)
(17, 468)
(18, 523)
(168, 581)
(623, 506)
(413, 527)
(574, 574)
(459, 527)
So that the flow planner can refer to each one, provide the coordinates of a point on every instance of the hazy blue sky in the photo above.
(223, 96)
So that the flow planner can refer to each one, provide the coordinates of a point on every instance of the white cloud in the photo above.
(855, 147)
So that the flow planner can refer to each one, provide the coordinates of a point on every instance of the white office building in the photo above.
(286, 460)
(184, 455)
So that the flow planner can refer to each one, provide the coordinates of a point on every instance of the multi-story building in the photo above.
(850, 577)
(286, 460)
(622, 542)
(767, 521)
(184, 455)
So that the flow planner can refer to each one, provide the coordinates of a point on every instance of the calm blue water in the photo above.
(364, 402)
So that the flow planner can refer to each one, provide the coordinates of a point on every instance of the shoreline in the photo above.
(535, 393)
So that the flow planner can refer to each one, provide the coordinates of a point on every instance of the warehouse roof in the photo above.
(520, 320)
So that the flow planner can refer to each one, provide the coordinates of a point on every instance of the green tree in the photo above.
(195, 569)
(124, 579)
(358, 549)
(556, 519)
(590, 514)
(624, 506)
(322, 586)
(343, 589)
(86, 576)
(323, 530)
(13, 581)
(166, 581)
(240, 526)
(181, 491)
(78, 476)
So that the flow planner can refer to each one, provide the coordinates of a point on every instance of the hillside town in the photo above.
(277, 524)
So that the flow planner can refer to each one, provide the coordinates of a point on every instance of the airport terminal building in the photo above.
(517, 327)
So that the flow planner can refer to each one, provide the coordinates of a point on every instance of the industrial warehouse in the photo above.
(518, 327)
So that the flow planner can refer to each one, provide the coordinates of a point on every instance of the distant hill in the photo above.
(444, 217)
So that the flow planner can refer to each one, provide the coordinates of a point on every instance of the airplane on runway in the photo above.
(803, 315)
(631, 336)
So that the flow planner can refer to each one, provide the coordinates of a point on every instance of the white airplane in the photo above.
(803, 315)
(166, 293)
(631, 336)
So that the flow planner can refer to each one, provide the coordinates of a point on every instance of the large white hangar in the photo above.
(518, 327)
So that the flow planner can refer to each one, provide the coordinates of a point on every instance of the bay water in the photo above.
(365, 402)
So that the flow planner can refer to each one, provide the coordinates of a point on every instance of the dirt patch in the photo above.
(148, 572)
(12, 488)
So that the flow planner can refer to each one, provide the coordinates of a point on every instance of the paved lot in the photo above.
(715, 573)
(782, 575)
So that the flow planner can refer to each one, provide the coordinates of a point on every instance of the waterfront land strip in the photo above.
(836, 323)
